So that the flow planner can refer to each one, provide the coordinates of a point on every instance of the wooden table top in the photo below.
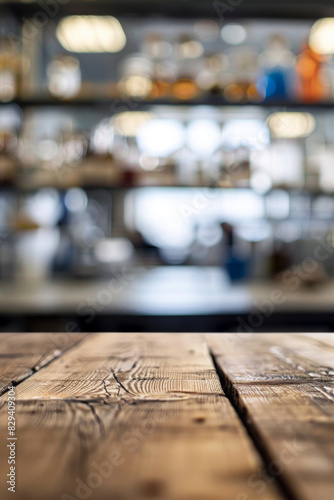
(167, 416)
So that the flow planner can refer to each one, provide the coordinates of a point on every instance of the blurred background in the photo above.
(166, 166)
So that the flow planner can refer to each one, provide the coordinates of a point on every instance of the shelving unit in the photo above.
(106, 103)
(117, 104)
(221, 12)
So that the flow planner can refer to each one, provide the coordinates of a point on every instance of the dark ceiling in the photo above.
(219, 9)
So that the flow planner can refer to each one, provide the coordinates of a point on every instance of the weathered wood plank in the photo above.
(22, 354)
(132, 417)
(119, 366)
(283, 385)
(326, 338)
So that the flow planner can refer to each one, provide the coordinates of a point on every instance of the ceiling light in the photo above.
(321, 37)
(91, 34)
(292, 125)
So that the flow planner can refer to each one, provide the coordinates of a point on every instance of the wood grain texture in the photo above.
(21, 354)
(283, 386)
(132, 416)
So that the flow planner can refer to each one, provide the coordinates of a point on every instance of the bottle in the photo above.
(312, 85)
(9, 69)
(277, 61)
(64, 77)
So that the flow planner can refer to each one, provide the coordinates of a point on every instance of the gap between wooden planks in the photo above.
(23, 354)
(132, 416)
(282, 385)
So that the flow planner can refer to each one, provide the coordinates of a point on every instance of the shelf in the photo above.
(16, 186)
(116, 105)
(20, 187)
